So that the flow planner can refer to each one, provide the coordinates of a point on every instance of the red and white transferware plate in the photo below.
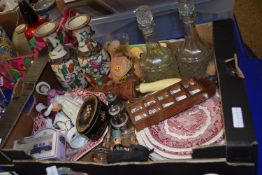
(175, 137)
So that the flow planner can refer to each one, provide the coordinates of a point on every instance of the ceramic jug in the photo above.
(62, 59)
(92, 57)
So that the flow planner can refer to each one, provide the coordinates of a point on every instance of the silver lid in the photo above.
(114, 110)
(111, 97)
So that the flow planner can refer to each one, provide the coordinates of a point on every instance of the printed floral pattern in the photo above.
(96, 67)
(92, 57)
(70, 74)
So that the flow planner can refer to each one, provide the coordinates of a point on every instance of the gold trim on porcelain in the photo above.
(45, 34)
(85, 23)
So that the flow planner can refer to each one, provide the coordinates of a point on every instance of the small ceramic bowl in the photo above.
(42, 88)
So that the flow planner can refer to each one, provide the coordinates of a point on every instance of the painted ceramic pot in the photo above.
(62, 59)
(92, 57)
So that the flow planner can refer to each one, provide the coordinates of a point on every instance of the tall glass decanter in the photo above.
(193, 55)
(158, 62)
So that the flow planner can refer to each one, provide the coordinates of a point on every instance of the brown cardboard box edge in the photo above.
(9, 19)
(220, 57)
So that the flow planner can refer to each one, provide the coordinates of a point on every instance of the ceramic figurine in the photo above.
(70, 105)
(92, 57)
(60, 121)
(65, 67)
(116, 135)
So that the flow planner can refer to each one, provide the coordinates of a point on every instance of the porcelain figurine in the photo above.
(59, 120)
(92, 57)
(63, 62)
(116, 135)
(70, 105)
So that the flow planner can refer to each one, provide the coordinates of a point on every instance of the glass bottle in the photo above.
(32, 20)
(193, 55)
(158, 62)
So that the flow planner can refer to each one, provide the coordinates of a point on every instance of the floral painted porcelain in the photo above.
(92, 57)
(63, 61)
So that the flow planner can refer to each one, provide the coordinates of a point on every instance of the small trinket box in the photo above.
(168, 102)
(47, 144)
(92, 118)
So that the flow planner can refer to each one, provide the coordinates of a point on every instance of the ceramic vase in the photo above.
(20, 41)
(92, 57)
(62, 59)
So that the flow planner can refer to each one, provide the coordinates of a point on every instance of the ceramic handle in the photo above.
(157, 85)
(74, 139)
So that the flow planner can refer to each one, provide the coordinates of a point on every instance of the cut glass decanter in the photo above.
(158, 62)
(193, 55)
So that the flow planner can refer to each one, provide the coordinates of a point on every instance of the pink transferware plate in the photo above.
(175, 137)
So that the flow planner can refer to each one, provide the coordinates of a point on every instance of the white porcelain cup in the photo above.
(74, 139)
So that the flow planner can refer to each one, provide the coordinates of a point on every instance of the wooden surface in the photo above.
(15, 108)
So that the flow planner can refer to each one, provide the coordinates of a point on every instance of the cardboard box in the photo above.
(9, 20)
(237, 156)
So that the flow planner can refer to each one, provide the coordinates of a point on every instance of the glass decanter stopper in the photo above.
(158, 62)
(193, 55)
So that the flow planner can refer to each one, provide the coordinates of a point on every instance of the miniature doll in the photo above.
(116, 135)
